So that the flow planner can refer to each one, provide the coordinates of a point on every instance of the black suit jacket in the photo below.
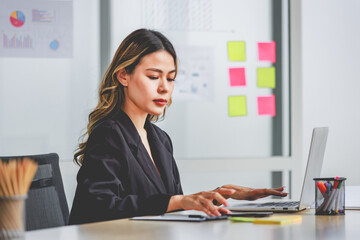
(118, 178)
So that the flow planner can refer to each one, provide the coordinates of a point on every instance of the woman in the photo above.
(127, 165)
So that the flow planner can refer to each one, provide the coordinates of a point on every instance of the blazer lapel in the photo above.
(162, 157)
(139, 151)
(147, 165)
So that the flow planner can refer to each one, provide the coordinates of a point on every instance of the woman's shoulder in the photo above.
(105, 123)
(107, 132)
(103, 131)
(113, 121)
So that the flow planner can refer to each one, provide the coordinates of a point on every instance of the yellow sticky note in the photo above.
(282, 220)
(266, 77)
(236, 51)
(237, 106)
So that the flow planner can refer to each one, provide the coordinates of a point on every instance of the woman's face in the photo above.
(151, 84)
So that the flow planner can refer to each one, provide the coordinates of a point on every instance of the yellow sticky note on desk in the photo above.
(282, 220)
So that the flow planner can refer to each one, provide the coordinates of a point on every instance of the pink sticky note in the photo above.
(267, 51)
(237, 77)
(266, 105)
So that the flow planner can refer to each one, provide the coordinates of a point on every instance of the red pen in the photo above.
(336, 183)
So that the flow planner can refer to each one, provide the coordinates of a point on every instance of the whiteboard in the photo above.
(198, 121)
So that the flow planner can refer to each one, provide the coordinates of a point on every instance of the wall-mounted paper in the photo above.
(195, 78)
(36, 28)
(237, 106)
(184, 15)
(237, 77)
(266, 77)
(236, 51)
(267, 51)
(266, 105)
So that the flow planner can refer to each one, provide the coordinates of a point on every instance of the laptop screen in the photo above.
(314, 165)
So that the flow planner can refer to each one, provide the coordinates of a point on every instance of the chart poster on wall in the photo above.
(195, 77)
(36, 28)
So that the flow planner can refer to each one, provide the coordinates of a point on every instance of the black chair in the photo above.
(46, 204)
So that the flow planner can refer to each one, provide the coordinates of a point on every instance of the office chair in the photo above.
(46, 204)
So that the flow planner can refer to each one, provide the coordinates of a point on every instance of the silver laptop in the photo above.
(313, 169)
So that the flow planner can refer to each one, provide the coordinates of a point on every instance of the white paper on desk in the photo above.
(352, 197)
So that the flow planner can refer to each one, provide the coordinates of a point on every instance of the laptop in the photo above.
(313, 170)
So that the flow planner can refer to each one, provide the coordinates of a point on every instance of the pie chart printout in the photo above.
(17, 18)
(36, 29)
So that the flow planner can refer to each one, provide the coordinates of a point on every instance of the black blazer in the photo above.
(118, 178)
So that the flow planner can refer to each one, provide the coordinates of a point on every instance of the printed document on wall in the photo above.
(36, 28)
(195, 77)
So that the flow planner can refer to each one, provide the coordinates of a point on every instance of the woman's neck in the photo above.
(137, 119)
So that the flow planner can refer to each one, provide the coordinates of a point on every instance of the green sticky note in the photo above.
(236, 51)
(242, 219)
(237, 106)
(266, 77)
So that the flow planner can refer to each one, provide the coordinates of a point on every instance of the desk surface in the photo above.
(312, 227)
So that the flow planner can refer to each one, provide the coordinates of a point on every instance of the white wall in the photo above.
(44, 103)
(331, 82)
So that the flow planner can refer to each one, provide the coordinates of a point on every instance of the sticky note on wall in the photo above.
(237, 77)
(266, 105)
(237, 106)
(267, 51)
(236, 51)
(266, 77)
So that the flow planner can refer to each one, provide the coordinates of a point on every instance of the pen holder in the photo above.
(330, 196)
(12, 217)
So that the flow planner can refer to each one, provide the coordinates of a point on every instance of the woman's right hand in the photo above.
(202, 201)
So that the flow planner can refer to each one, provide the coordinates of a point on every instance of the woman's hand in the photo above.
(202, 201)
(245, 193)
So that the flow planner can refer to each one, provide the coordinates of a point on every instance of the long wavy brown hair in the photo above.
(111, 93)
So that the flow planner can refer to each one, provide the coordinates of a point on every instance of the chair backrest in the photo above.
(46, 204)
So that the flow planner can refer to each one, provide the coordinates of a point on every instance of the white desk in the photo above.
(312, 227)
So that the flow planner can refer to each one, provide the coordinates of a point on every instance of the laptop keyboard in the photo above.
(281, 204)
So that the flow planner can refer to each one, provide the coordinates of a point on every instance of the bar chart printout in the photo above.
(36, 28)
(17, 41)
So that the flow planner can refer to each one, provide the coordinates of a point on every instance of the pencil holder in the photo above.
(330, 196)
(12, 217)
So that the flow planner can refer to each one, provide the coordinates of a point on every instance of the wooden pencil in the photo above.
(15, 180)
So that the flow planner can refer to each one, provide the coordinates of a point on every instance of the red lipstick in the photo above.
(160, 101)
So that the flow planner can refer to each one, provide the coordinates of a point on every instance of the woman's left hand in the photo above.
(245, 193)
